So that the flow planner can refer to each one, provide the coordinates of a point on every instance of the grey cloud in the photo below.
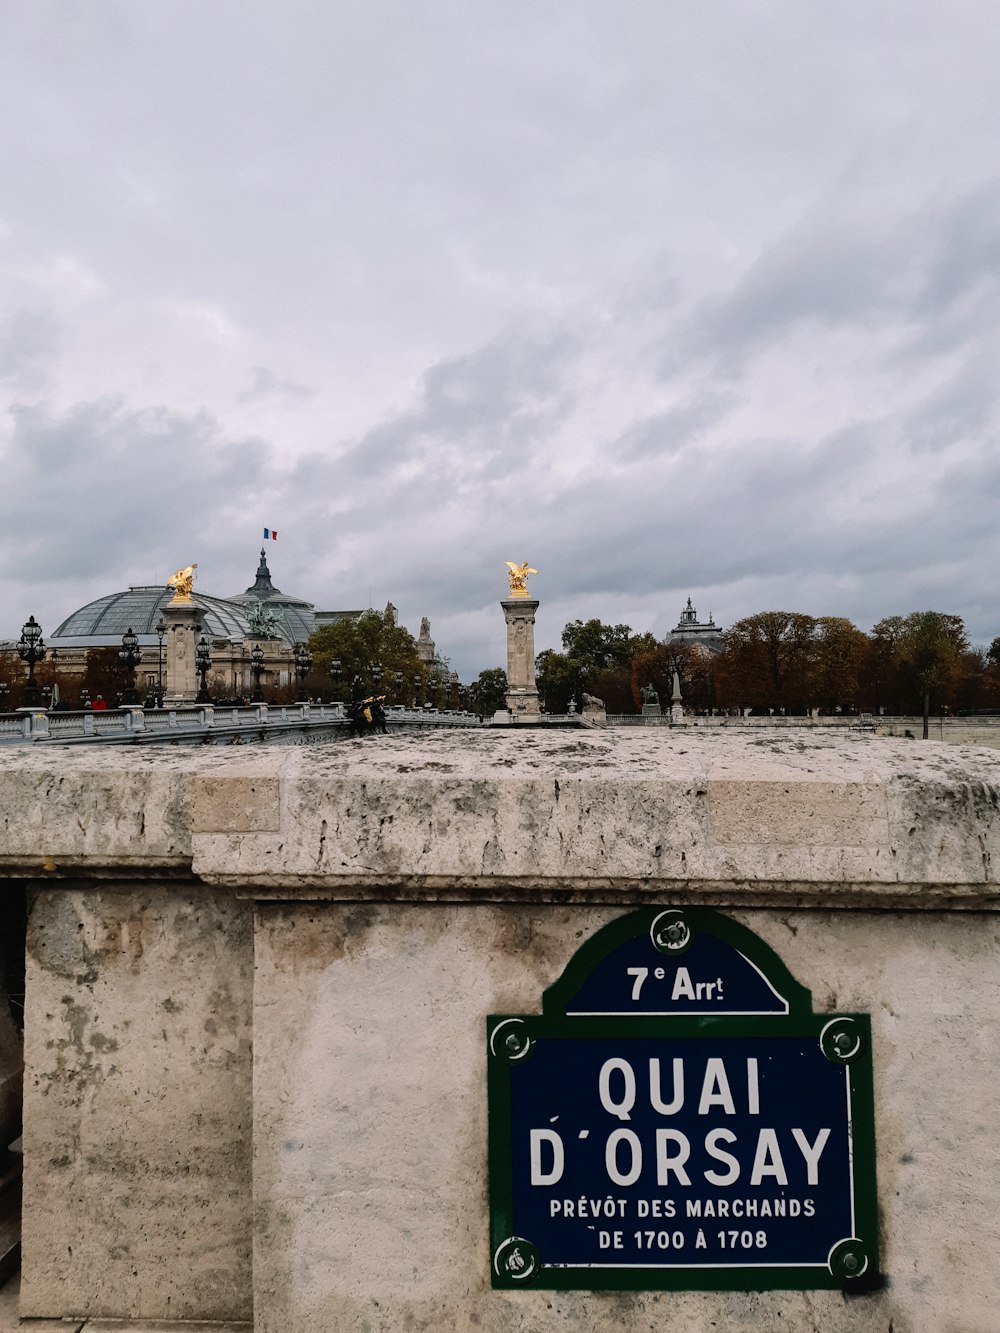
(133, 490)
(668, 432)
(931, 273)
(816, 275)
(472, 412)
(30, 343)
(267, 385)
(962, 410)
(963, 249)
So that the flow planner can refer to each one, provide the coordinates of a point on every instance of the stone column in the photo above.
(676, 703)
(184, 623)
(522, 696)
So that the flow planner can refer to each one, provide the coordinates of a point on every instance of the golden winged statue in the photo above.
(182, 583)
(519, 578)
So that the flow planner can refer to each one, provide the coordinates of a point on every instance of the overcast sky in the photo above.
(667, 299)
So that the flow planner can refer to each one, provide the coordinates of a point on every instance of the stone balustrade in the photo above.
(208, 723)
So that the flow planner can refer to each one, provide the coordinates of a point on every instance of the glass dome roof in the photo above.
(139, 609)
(102, 623)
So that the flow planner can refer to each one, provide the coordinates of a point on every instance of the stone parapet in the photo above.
(535, 813)
(257, 984)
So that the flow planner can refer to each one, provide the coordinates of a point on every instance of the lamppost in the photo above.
(161, 630)
(303, 663)
(4, 687)
(397, 677)
(31, 649)
(336, 675)
(418, 682)
(202, 662)
(130, 655)
(257, 670)
(376, 678)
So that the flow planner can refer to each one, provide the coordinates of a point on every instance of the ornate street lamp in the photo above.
(161, 630)
(303, 664)
(376, 678)
(31, 649)
(130, 654)
(257, 670)
(336, 675)
(418, 682)
(202, 662)
(4, 687)
(397, 677)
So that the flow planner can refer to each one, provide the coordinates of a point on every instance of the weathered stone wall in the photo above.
(370, 1118)
(138, 1104)
(393, 893)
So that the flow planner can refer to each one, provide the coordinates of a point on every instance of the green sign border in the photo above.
(800, 1021)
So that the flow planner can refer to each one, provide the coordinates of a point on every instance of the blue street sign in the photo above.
(678, 1117)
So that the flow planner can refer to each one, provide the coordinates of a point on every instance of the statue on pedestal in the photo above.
(519, 578)
(182, 582)
(519, 612)
(650, 701)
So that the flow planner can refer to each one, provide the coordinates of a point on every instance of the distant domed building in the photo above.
(702, 633)
(231, 626)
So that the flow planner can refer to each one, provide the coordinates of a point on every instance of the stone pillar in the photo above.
(676, 703)
(522, 696)
(184, 622)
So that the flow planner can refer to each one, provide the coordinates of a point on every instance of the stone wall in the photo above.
(340, 920)
(138, 1104)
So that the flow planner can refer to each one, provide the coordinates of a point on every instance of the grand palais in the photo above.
(232, 626)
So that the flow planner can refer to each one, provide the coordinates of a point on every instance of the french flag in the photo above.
(270, 535)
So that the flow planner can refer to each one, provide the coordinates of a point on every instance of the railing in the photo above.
(637, 720)
(200, 722)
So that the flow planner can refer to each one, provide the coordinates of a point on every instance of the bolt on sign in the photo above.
(678, 1118)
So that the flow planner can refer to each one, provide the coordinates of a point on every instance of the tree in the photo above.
(554, 679)
(840, 650)
(12, 676)
(598, 646)
(105, 674)
(488, 693)
(768, 661)
(881, 679)
(597, 660)
(656, 666)
(930, 647)
(976, 686)
(365, 646)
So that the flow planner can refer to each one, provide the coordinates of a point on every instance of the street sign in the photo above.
(678, 1118)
